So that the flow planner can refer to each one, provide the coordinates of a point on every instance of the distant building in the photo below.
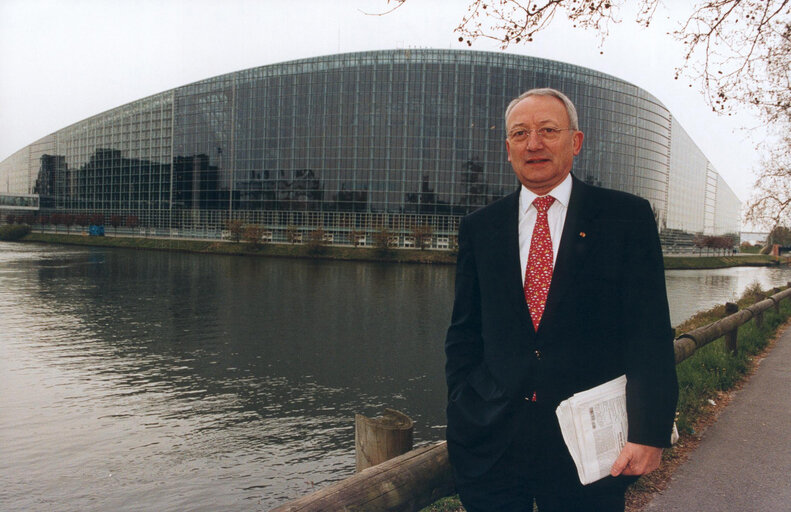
(358, 142)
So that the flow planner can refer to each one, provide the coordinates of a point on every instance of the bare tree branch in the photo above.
(397, 4)
(738, 50)
(517, 21)
(770, 203)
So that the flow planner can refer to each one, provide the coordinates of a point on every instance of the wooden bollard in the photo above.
(379, 439)
(731, 338)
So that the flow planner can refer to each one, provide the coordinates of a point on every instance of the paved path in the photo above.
(743, 462)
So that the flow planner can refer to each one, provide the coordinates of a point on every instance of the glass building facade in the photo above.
(356, 143)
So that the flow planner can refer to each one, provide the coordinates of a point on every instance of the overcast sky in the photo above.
(64, 60)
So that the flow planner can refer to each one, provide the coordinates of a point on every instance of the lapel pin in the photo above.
(582, 234)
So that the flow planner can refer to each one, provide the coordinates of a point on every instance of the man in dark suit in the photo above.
(589, 306)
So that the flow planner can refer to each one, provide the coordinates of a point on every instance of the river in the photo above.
(136, 380)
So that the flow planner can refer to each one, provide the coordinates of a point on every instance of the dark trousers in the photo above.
(537, 466)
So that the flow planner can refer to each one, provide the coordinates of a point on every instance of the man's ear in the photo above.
(576, 141)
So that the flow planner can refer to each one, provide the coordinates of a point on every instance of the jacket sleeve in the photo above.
(652, 386)
(477, 403)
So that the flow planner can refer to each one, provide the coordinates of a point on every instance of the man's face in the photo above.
(540, 163)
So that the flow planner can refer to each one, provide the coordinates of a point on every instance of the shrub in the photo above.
(11, 233)
(293, 235)
(82, 219)
(355, 236)
(132, 221)
(382, 240)
(68, 220)
(253, 234)
(422, 234)
(752, 294)
(115, 221)
(235, 227)
(316, 242)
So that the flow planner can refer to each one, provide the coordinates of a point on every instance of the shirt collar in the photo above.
(561, 193)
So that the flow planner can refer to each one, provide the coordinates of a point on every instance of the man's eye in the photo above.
(548, 131)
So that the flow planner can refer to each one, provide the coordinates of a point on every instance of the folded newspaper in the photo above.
(594, 426)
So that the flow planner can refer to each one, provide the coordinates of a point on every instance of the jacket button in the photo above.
(538, 354)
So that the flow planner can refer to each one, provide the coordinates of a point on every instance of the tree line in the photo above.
(724, 244)
(71, 219)
(317, 238)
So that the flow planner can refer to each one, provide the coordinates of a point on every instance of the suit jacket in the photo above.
(606, 315)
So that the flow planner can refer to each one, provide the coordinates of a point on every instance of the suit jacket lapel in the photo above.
(574, 246)
(505, 250)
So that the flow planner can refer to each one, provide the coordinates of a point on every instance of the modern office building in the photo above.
(354, 144)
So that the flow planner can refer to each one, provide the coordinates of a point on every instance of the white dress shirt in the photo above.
(556, 216)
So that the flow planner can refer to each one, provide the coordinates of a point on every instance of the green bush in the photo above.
(317, 245)
(11, 233)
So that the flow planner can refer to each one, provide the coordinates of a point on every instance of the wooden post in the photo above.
(731, 341)
(379, 439)
(406, 483)
(776, 290)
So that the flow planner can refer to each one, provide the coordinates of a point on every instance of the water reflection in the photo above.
(231, 380)
(147, 380)
(690, 291)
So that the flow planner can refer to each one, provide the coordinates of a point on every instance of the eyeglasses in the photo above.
(546, 133)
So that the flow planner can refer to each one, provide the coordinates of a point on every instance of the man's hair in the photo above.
(546, 91)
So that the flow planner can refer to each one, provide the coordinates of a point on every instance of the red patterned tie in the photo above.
(538, 274)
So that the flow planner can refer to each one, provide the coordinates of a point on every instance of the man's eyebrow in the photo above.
(540, 123)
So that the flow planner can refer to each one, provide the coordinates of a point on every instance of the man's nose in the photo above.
(534, 141)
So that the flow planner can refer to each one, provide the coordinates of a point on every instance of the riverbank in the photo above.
(707, 381)
(710, 262)
(276, 250)
(347, 253)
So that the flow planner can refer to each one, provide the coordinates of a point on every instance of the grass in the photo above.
(711, 371)
(752, 249)
(707, 262)
(12, 233)
(449, 504)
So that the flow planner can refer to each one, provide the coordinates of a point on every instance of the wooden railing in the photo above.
(419, 477)
(686, 344)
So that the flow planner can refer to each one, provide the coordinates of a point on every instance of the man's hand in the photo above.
(636, 459)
